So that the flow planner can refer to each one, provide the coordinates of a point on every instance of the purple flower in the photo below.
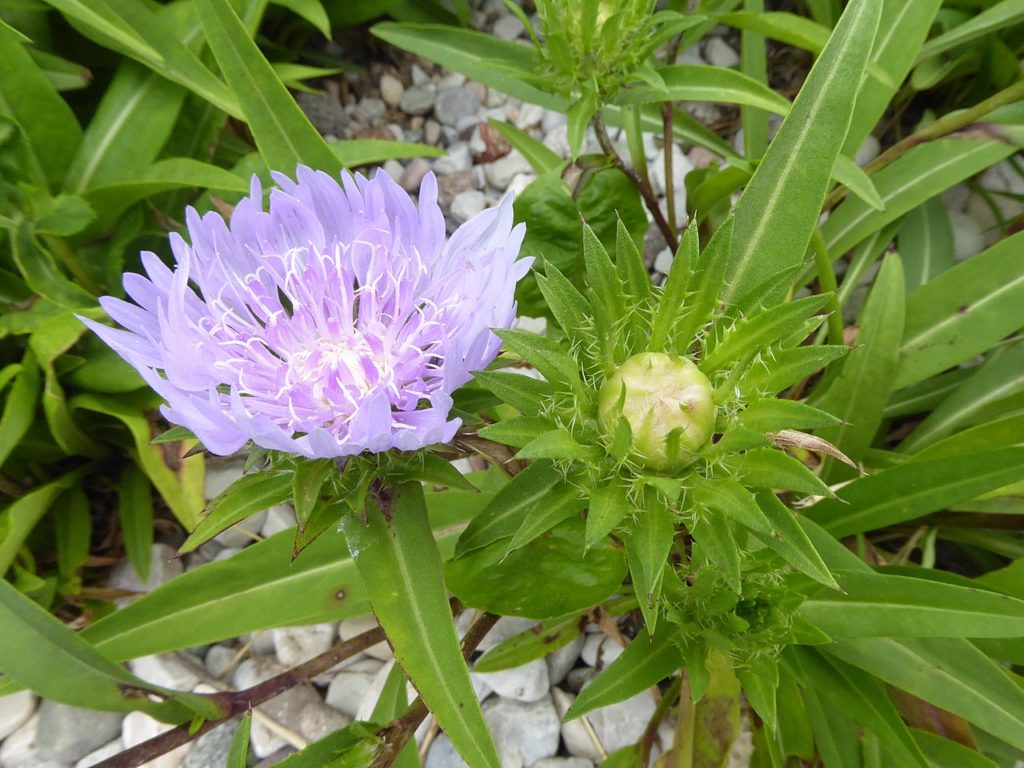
(337, 322)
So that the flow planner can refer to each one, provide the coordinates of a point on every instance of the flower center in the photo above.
(329, 368)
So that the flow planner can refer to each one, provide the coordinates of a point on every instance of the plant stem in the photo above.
(396, 735)
(651, 731)
(238, 702)
(827, 281)
(644, 189)
(667, 146)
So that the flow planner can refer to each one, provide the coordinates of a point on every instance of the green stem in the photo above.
(827, 281)
(667, 146)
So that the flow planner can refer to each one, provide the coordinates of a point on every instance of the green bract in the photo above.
(667, 403)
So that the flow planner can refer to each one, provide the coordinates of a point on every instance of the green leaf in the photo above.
(695, 82)
(1001, 376)
(355, 152)
(556, 509)
(947, 672)
(568, 306)
(773, 469)
(675, 291)
(645, 662)
(790, 366)
(760, 681)
(73, 530)
(535, 643)
(578, 117)
(20, 406)
(607, 298)
(771, 415)
(552, 576)
(524, 393)
(398, 559)
(135, 511)
(19, 517)
(310, 10)
(963, 312)
(788, 28)
(779, 208)
(609, 506)
(243, 498)
(544, 354)
(996, 17)
(857, 396)
(558, 444)
(44, 277)
(283, 133)
(922, 173)
(942, 752)
(791, 542)
(916, 488)
(536, 487)
(759, 331)
(519, 431)
(39, 652)
(926, 244)
(863, 697)
(307, 482)
(239, 750)
(49, 127)
(648, 544)
(880, 605)
(855, 179)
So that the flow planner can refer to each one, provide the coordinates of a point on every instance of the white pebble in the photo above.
(467, 204)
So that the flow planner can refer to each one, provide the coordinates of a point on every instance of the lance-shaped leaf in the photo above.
(790, 366)
(774, 469)
(926, 244)
(609, 506)
(544, 354)
(647, 549)
(771, 415)
(535, 643)
(519, 431)
(244, 497)
(524, 393)
(645, 662)
(780, 206)
(395, 552)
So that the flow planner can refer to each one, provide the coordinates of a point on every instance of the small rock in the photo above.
(494, 98)
(356, 625)
(564, 659)
(18, 750)
(211, 750)
(275, 758)
(868, 151)
(431, 132)
(968, 235)
(538, 325)
(417, 100)
(506, 626)
(419, 77)
(443, 755)
(508, 27)
(528, 682)
(15, 710)
(519, 183)
(467, 204)
(458, 159)
(451, 80)
(449, 185)
(528, 115)
(719, 53)
(577, 738)
(217, 660)
(523, 732)
(227, 553)
(500, 173)
(166, 671)
(579, 677)
(350, 685)
(317, 720)
(564, 762)
(325, 112)
(280, 517)
(413, 175)
(374, 691)
(295, 645)
(391, 89)
(139, 727)
(370, 111)
(163, 567)
(621, 724)
(680, 167)
(663, 261)
(452, 104)
(66, 734)
(98, 756)
(394, 169)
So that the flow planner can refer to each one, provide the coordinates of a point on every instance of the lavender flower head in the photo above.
(336, 322)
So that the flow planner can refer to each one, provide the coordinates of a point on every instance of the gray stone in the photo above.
(494, 98)
(523, 732)
(968, 235)
(356, 625)
(451, 80)
(317, 720)
(98, 756)
(719, 53)
(370, 110)
(66, 734)
(217, 660)
(431, 132)
(413, 175)
(680, 167)
(450, 185)
(868, 151)
(579, 677)
(443, 755)
(295, 645)
(519, 183)
(15, 710)
(467, 204)
(500, 173)
(351, 684)
(18, 750)
(325, 112)
(419, 77)
(212, 748)
(162, 569)
(564, 762)
(452, 104)
(139, 727)
(280, 517)
(663, 261)
(527, 115)
(394, 169)
(618, 725)
(458, 159)
(275, 758)
(167, 671)
(417, 100)
(528, 682)
(564, 659)
(508, 27)
(391, 89)
(579, 740)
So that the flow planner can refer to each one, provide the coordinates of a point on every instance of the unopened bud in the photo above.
(668, 405)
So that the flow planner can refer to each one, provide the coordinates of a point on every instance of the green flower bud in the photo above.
(668, 405)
